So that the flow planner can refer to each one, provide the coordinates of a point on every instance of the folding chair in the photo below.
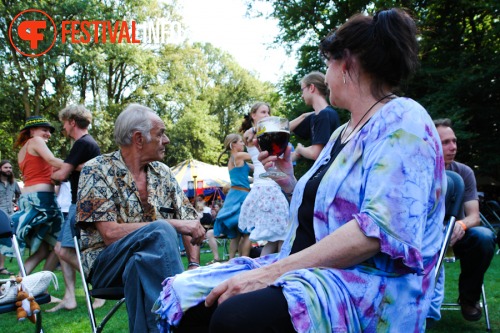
(223, 242)
(6, 231)
(454, 202)
(102, 293)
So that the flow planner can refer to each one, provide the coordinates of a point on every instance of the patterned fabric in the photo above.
(265, 210)
(107, 192)
(226, 222)
(390, 179)
(39, 219)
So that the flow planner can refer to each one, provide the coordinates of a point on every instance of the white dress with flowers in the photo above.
(265, 211)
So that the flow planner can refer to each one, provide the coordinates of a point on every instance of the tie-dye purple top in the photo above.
(390, 178)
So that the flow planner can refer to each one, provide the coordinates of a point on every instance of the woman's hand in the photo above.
(248, 137)
(242, 283)
(284, 164)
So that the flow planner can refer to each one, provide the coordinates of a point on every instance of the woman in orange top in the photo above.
(39, 219)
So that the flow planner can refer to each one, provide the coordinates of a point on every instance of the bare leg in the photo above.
(270, 247)
(51, 261)
(36, 258)
(98, 302)
(69, 301)
(245, 245)
(233, 246)
(212, 243)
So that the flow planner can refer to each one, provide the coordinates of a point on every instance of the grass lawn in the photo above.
(77, 320)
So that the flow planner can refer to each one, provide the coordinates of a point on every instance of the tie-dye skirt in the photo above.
(38, 220)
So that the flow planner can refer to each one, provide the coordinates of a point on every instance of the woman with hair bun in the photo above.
(366, 218)
(226, 223)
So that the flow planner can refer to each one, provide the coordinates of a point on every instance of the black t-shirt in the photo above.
(83, 150)
(318, 127)
(304, 236)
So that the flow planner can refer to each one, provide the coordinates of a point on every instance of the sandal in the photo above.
(4, 271)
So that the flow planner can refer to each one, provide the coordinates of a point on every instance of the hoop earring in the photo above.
(231, 146)
(343, 76)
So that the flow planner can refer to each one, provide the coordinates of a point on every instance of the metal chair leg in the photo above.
(109, 315)
(485, 307)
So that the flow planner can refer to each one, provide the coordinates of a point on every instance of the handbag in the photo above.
(8, 291)
(38, 283)
(35, 284)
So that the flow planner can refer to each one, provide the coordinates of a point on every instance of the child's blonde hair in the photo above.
(228, 143)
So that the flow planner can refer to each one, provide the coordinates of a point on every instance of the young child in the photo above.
(226, 222)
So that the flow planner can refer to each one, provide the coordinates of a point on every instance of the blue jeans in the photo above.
(68, 228)
(475, 251)
(139, 262)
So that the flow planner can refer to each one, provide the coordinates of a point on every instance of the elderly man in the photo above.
(473, 244)
(130, 208)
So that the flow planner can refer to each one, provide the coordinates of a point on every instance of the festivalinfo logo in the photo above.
(33, 32)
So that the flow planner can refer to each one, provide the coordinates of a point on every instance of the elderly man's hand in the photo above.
(194, 229)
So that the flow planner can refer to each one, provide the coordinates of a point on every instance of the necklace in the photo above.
(344, 140)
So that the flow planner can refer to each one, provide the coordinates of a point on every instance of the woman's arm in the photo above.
(241, 157)
(39, 146)
(296, 122)
(345, 247)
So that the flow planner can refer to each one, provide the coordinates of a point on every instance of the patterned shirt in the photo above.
(108, 192)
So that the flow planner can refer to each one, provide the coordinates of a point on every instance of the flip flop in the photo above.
(4, 271)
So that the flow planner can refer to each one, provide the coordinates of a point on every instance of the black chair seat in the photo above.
(42, 299)
(115, 293)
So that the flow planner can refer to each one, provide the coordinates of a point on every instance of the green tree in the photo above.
(200, 91)
(460, 73)
(460, 67)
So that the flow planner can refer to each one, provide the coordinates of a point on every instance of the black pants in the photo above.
(262, 311)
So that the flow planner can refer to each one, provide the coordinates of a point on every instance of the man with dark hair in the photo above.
(76, 120)
(9, 193)
(130, 209)
(472, 244)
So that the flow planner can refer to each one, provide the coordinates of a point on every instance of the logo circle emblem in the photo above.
(30, 31)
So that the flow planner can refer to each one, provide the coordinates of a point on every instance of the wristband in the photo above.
(462, 225)
(193, 264)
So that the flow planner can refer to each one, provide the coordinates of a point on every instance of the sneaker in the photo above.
(471, 311)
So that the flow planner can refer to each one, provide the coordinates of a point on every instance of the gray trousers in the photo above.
(139, 262)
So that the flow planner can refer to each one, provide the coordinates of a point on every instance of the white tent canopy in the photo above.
(211, 175)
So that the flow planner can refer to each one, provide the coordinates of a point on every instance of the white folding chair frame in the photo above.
(96, 328)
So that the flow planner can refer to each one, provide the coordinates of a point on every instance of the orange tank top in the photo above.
(35, 170)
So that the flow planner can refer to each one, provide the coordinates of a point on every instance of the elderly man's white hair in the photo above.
(135, 117)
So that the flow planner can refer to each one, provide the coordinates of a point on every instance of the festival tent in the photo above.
(207, 175)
